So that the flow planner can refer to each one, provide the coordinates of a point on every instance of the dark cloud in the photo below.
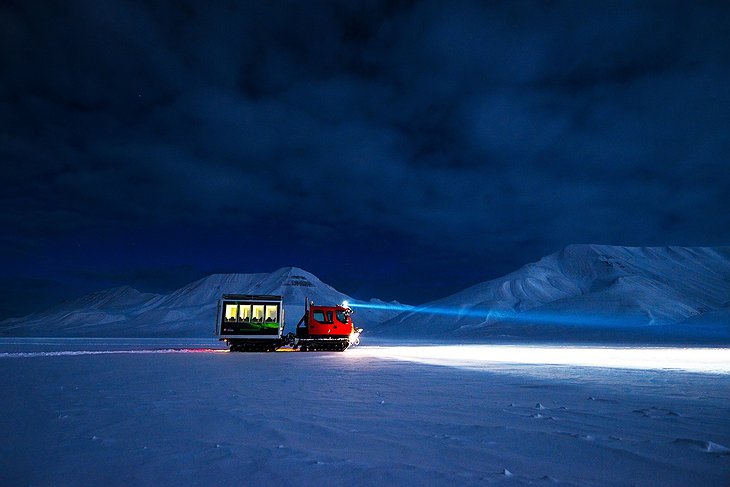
(373, 142)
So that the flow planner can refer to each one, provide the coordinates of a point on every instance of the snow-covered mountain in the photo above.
(592, 292)
(187, 312)
(589, 292)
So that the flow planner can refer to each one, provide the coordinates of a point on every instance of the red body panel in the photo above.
(326, 321)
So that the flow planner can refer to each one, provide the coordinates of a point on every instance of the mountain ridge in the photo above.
(187, 311)
(585, 290)
(599, 287)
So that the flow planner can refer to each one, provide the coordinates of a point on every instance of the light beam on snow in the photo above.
(706, 360)
(64, 353)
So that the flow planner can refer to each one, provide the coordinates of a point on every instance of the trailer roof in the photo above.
(253, 297)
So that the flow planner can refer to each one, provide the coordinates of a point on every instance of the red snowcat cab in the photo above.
(325, 328)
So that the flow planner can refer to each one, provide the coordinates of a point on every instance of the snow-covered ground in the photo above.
(152, 412)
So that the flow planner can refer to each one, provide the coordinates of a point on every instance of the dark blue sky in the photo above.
(401, 150)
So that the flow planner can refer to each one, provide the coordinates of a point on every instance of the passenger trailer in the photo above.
(251, 322)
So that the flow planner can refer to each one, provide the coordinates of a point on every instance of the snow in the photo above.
(187, 312)
(694, 359)
(588, 293)
(560, 389)
(185, 412)
(591, 293)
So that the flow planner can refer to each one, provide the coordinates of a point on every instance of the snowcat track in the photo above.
(324, 346)
(254, 347)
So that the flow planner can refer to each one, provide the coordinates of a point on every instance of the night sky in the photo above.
(401, 150)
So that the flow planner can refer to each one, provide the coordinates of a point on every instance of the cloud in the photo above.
(476, 136)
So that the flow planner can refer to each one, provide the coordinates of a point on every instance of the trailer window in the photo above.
(244, 313)
(258, 313)
(231, 312)
(272, 313)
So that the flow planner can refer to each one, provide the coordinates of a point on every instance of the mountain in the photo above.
(593, 292)
(583, 292)
(187, 312)
(86, 315)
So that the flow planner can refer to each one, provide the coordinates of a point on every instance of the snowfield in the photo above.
(537, 405)
(151, 412)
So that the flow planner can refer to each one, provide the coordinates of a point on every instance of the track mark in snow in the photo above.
(578, 436)
(655, 412)
(107, 352)
(609, 401)
(540, 416)
(705, 446)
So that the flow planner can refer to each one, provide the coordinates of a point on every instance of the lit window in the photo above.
(244, 312)
(271, 313)
(231, 312)
(258, 313)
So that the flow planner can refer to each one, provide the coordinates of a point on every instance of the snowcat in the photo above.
(255, 323)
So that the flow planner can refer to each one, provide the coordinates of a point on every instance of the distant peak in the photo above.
(114, 291)
(295, 276)
(292, 270)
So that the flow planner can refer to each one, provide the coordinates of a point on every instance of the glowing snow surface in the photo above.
(136, 414)
(715, 360)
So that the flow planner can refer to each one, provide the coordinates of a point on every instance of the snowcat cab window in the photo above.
(231, 312)
(329, 317)
(271, 313)
(341, 316)
(258, 313)
(318, 316)
(244, 313)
